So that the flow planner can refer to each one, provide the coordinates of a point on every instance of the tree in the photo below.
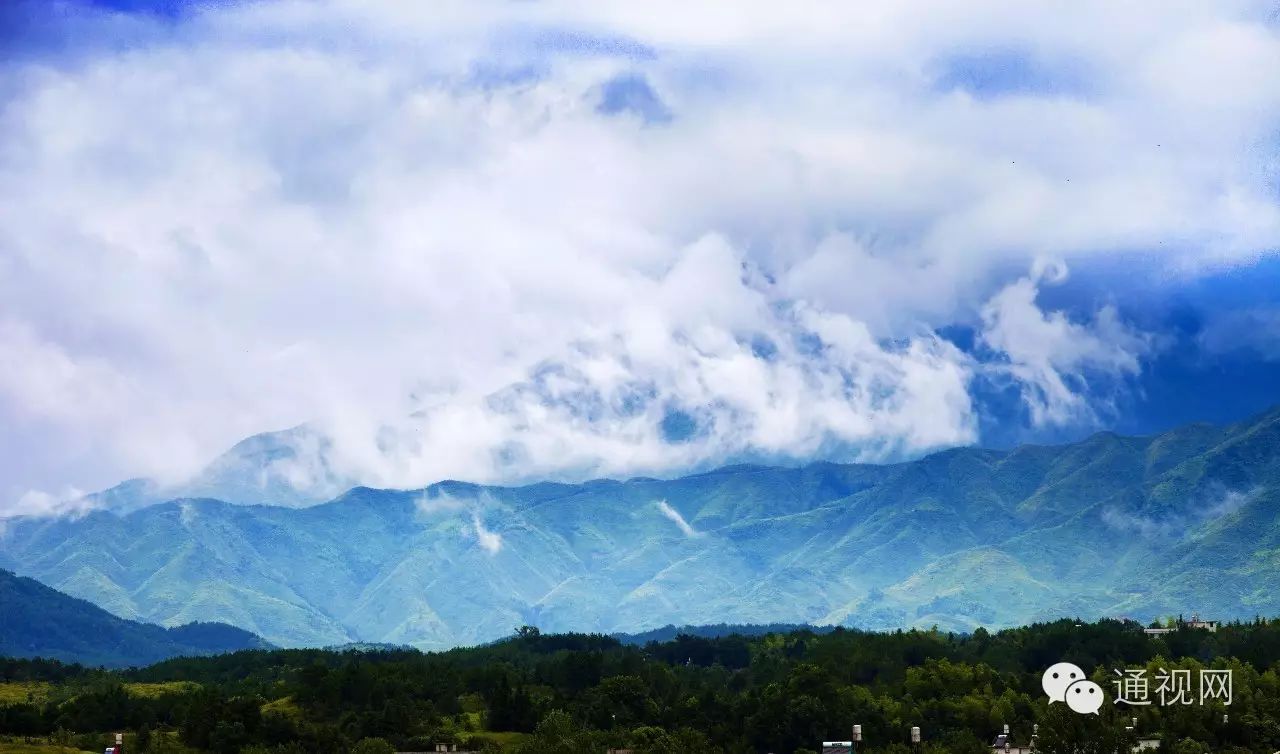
(510, 708)
(228, 737)
(654, 740)
(1063, 731)
(558, 733)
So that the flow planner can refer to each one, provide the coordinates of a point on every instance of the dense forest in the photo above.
(565, 694)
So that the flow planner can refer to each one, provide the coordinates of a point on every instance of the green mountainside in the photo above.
(41, 622)
(1120, 526)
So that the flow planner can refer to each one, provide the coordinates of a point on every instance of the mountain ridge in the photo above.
(1113, 524)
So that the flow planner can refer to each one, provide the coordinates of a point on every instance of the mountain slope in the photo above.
(1141, 526)
(42, 622)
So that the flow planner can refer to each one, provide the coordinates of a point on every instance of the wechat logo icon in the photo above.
(1065, 682)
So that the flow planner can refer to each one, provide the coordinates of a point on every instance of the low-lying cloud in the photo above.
(674, 516)
(1211, 505)
(489, 541)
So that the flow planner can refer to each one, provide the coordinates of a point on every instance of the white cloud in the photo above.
(674, 516)
(489, 540)
(362, 215)
(1052, 358)
(431, 505)
(67, 502)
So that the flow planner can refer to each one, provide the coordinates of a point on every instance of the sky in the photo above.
(559, 240)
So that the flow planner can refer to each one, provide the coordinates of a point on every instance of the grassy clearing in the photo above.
(283, 706)
(39, 692)
(506, 740)
(21, 692)
(153, 690)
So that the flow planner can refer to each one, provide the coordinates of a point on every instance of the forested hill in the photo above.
(40, 622)
(580, 694)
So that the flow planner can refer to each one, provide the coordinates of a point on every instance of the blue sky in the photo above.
(503, 242)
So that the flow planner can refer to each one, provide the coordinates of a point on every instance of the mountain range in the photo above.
(1110, 526)
(42, 622)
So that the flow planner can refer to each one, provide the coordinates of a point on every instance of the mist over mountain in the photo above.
(287, 468)
(1112, 525)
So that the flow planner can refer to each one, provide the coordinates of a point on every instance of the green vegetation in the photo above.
(580, 694)
(47, 623)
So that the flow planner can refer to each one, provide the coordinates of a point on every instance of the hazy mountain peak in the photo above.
(288, 468)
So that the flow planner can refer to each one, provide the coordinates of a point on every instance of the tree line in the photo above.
(537, 693)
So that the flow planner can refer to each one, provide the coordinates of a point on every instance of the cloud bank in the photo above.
(563, 240)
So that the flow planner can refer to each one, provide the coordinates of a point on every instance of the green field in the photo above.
(283, 706)
(22, 692)
(507, 740)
